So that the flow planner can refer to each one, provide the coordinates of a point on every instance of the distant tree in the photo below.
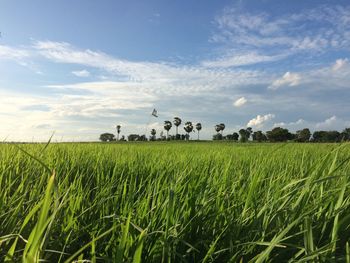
(188, 128)
(232, 137)
(133, 137)
(177, 122)
(122, 138)
(198, 128)
(326, 136)
(118, 127)
(153, 135)
(162, 137)
(217, 137)
(279, 134)
(303, 135)
(245, 134)
(107, 137)
(235, 136)
(167, 127)
(228, 137)
(218, 128)
(345, 134)
(222, 127)
(143, 138)
(259, 136)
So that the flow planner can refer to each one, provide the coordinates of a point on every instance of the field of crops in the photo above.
(175, 202)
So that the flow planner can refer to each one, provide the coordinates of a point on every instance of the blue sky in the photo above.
(77, 68)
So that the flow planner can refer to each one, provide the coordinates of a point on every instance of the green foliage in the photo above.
(279, 134)
(303, 135)
(245, 134)
(259, 136)
(175, 202)
(217, 137)
(327, 136)
(107, 137)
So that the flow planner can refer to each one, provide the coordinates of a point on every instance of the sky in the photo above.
(76, 69)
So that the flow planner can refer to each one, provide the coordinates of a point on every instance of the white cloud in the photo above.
(156, 76)
(288, 124)
(320, 28)
(139, 86)
(240, 102)
(328, 123)
(235, 60)
(12, 53)
(288, 79)
(339, 64)
(260, 120)
(81, 73)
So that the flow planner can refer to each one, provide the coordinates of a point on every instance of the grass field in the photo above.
(175, 202)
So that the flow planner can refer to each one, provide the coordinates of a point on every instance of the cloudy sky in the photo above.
(78, 68)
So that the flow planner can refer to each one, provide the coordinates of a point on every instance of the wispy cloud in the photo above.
(339, 64)
(240, 102)
(330, 123)
(288, 79)
(176, 78)
(236, 60)
(319, 28)
(289, 124)
(81, 73)
(13, 53)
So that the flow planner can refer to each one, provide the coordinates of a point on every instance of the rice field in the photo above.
(175, 202)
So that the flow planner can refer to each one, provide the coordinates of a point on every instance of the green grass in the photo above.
(175, 202)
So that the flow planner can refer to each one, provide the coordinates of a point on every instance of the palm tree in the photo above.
(167, 127)
(118, 131)
(222, 127)
(188, 128)
(198, 128)
(153, 133)
(177, 122)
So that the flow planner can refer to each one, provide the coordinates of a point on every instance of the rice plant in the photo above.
(175, 202)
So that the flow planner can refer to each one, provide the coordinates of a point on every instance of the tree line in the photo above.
(277, 134)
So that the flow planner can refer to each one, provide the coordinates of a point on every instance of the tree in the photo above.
(327, 136)
(249, 130)
(217, 137)
(177, 122)
(245, 134)
(167, 127)
(198, 128)
(303, 135)
(143, 138)
(118, 127)
(232, 137)
(107, 137)
(346, 134)
(133, 137)
(235, 136)
(188, 128)
(153, 133)
(222, 127)
(279, 134)
(259, 136)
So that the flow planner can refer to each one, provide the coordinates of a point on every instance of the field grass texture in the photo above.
(175, 202)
